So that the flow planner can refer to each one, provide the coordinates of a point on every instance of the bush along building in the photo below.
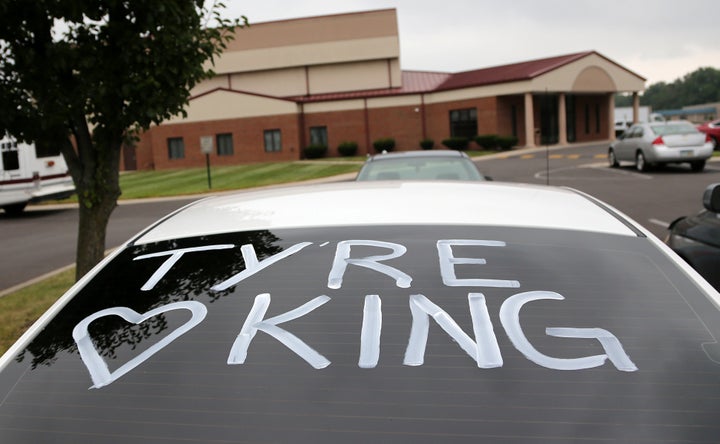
(310, 87)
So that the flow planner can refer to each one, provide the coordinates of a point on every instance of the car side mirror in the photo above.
(711, 198)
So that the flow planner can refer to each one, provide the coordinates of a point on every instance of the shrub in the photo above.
(507, 142)
(315, 151)
(348, 149)
(427, 144)
(384, 144)
(487, 141)
(456, 143)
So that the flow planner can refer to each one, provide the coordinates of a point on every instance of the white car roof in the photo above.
(390, 203)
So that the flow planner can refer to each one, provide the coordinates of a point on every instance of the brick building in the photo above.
(281, 86)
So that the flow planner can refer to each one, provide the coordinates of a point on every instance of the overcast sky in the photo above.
(660, 40)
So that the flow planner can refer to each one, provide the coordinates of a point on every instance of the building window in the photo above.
(224, 144)
(176, 148)
(597, 118)
(463, 123)
(318, 135)
(273, 142)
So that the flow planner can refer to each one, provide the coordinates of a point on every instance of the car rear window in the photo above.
(665, 129)
(357, 334)
(437, 168)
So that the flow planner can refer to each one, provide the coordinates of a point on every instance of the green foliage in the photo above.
(427, 144)
(347, 149)
(315, 151)
(112, 70)
(487, 141)
(506, 142)
(698, 87)
(384, 144)
(456, 143)
(623, 100)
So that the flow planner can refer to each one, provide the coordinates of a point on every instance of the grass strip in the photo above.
(20, 309)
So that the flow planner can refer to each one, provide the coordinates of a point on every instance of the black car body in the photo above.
(696, 238)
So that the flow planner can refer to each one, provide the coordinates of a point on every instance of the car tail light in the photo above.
(658, 141)
(708, 139)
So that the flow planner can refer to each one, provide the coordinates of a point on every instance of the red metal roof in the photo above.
(509, 73)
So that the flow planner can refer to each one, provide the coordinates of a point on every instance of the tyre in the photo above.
(612, 160)
(697, 166)
(640, 162)
(14, 209)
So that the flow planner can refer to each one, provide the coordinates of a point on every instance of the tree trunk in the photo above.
(92, 228)
(95, 169)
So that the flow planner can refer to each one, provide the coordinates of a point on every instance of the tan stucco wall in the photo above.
(501, 89)
(336, 105)
(350, 77)
(369, 35)
(309, 54)
(279, 82)
(344, 52)
(221, 105)
(589, 74)
(210, 84)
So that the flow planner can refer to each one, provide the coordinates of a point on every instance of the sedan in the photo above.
(712, 129)
(420, 165)
(660, 143)
(697, 238)
(357, 312)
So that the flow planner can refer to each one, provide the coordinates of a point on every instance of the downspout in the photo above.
(422, 116)
(301, 131)
(367, 126)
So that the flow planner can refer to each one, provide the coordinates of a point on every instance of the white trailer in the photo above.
(624, 117)
(30, 175)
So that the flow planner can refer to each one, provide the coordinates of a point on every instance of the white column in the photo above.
(636, 107)
(529, 121)
(611, 116)
(562, 120)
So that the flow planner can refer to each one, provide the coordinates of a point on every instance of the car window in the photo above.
(673, 128)
(634, 131)
(371, 333)
(437, 168)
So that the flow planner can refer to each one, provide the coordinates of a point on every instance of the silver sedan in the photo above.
(658, 143)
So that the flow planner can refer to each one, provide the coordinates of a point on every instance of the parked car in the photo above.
(418, 312)
(420, 165)
(697, 238)
(659, 143)
(712, 129)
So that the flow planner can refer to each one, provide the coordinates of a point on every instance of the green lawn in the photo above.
(142, 184)
(18, 310)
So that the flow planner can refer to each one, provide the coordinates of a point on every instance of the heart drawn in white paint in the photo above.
(96, 365)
